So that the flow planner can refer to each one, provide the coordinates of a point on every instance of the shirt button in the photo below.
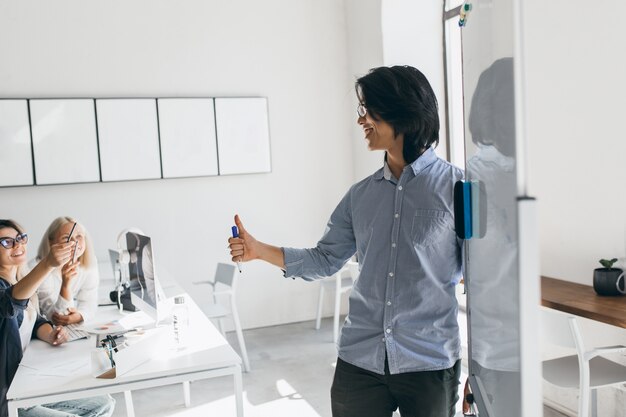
(393, 245)
(388, 303)
(399, 188)
(388, 331)
(391, 274)
(396, 215)
(384, 339)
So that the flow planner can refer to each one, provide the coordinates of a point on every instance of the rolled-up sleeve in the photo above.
(9, 306)
(39, 321)
(332, 251)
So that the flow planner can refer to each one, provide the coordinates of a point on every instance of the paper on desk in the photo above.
(129, 322)
(63, 360)
(65, 368)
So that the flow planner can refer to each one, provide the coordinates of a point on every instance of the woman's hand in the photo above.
(57, 336)
(245, 247)
(66, 319)
(60, 253)
(69, 271)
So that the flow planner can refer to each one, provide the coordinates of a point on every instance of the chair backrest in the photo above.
(561, 329)
(225, 274)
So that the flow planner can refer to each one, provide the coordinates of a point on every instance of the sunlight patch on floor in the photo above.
(290, 404)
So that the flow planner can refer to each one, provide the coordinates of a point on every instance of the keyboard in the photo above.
(74, 333)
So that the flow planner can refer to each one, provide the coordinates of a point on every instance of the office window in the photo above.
(453, 65)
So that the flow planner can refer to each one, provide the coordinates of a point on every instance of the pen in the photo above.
(236, 234)
(68, 241)
(74, 253)
(70, 235)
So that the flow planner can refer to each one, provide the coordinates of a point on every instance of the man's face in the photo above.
(378, 133)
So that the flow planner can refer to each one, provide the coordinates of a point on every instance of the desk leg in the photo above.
(186, 394)
(130, 409)
(238, 391)
(12, 411)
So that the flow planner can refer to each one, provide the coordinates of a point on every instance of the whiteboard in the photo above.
(187, 130)
(242, 135)
(65, 146)
(129, 139)
(501, 264)
(16, 157)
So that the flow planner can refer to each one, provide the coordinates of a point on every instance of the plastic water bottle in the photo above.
(180, 322)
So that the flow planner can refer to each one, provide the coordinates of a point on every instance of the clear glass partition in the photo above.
(492, 256)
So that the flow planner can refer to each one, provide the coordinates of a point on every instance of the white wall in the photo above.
(576, 110)
(295, 53)
(406, 33)
(365, 40)
(413, 35)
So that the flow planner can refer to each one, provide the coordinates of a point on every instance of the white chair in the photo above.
(225, 274)
(342, 281)
(225, 284)
(587, 370)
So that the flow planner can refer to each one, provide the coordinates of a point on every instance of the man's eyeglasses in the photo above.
(361, 110)
(9, 242)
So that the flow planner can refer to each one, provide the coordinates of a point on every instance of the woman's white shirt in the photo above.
(28, 323)
(83, 287)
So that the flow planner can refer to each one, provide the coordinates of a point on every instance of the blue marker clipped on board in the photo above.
(236, 234)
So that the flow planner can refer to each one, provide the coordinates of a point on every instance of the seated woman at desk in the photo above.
(20, 321)
(77, 279)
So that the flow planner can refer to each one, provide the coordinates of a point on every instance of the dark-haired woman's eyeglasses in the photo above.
(361, 110)
(9, 242)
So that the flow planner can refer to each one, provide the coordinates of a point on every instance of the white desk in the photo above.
(49, 374)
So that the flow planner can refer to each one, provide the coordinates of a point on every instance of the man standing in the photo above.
(400, 344)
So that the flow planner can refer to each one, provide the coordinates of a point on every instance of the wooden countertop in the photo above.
(583, 301)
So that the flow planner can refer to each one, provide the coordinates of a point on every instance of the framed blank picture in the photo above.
(187, 130)
(129, 139)
(15, 147)
(65, 146)
(242, 135)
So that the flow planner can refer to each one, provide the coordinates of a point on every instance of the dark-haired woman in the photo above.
(400, 345)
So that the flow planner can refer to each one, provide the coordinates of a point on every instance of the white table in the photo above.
(49, 374)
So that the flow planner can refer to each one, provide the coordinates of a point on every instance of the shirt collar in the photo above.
(380, 174)
(423, 161)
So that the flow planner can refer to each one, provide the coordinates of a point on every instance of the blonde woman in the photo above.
(70, 294)
(20, 322)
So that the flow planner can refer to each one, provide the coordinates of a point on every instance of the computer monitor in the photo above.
(114, 257)
(145, 289)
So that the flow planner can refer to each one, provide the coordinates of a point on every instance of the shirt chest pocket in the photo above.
(429, 226)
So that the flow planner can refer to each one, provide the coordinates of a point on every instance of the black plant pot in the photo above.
(608, 281)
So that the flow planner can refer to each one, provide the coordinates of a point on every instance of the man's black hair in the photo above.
(402, 97)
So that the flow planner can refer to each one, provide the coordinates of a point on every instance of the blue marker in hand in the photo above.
(236, 234)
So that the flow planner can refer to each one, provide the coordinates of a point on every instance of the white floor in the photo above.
(292, 370)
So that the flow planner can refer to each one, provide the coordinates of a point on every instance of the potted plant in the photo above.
(608, 280)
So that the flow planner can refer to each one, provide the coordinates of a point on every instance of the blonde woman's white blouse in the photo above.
(84, 290)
